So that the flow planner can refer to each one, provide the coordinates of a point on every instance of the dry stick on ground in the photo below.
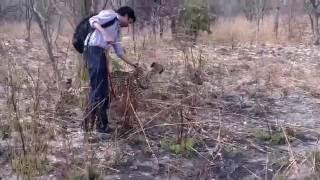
(218, 147)
(267, 162)
(13, 101)
(279, 170)
(294, 162)
(180, 133)
(254, 174)
(157, 114)
(177, 124)
(169, 108)
(143, 131)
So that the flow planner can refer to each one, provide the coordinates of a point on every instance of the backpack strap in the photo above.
(110, 23)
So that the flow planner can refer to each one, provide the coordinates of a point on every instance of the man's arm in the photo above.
(124, 58)
(120, 53)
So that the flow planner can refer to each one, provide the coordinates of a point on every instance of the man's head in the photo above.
(127, 16)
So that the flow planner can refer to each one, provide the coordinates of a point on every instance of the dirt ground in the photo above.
(246, 111)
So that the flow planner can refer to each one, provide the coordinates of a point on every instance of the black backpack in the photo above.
(82, 31)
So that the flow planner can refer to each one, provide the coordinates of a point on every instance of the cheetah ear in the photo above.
(153, 64)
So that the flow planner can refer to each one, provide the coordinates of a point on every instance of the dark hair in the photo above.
(126, 10)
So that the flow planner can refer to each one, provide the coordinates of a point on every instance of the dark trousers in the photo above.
(99, 94)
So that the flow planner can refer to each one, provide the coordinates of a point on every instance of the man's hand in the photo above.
(134, 65)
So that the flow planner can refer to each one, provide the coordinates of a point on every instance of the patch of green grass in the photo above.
(263, 136)
(276, 138)
(186, 148)
(279, 138)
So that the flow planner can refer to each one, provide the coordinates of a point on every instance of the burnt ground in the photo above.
(222, 107)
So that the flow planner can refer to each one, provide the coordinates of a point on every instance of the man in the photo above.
(96, 43)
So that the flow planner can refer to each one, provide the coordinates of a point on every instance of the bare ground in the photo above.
(239, 94)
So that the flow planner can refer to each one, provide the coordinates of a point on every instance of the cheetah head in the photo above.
(157, 68)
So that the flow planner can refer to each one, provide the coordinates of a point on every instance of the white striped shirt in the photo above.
(96, 39)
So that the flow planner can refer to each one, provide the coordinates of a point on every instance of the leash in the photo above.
(111, 86)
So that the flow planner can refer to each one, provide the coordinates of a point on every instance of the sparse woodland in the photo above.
(238, 99)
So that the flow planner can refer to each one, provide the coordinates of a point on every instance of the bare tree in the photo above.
(29, 16)
(41, 10)
(276, 20)
(86, 7)
(314, 15)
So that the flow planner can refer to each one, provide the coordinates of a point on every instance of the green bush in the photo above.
(276, 138)
(194, 17)
(186, 148)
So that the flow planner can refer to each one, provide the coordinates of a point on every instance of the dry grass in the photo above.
(233, 30)
(16, 30)
(241, 30)
(12, 30)
(226, 73)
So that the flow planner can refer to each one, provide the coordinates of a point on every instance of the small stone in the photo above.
(133, 167)
(145, 163)
(188, 164)
(112, 177)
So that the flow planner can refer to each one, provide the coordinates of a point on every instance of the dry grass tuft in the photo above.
(233, 30)
(240, 30)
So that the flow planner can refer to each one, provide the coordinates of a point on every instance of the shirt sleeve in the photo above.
(117, 46)
(102, 18)
(118, 49)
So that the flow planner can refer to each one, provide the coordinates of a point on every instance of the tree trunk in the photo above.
(316, 28)
(276, 22)
(311, 23)
(82, 69)
(315, 21)
(29, 16)
(173, 25)
(41, 12)
(161, 24)
(44, 31)
(86, 7)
